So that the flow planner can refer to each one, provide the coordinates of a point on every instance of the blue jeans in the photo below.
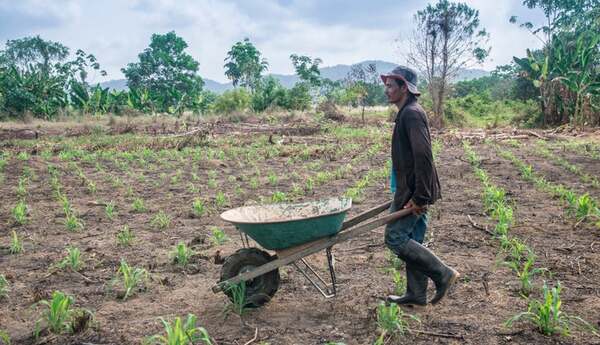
(399, 232)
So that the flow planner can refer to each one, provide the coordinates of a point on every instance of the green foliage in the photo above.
(131, 277)
(547, 315)
(180, 333)
(525, 271)
(198, 207)
(125, 236)
(109, 209)
(20, 212)
(16, 246)
(167, 73)
(5, 338)
(232, 101)
(4, 289)
(73, 259)
(60, 315)
(161, 220)
(392, 321)
(218, 236)
(278, 197)
(138, 205)
(181, 254)
(238, 303)
(244, 65)
(307, 69)
(220, 199)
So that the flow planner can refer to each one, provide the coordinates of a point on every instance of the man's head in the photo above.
(400, 83)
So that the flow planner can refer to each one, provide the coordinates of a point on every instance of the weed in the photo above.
(16, 246)
(180, 333)
(161, 220)
(132, 278)
(125, 236)
(181, 254)
(547, 315)
(218, 237)
(20, 212)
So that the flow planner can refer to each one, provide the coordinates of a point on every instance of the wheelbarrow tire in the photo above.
(259, 290)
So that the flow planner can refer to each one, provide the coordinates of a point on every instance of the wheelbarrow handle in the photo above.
(366, 215)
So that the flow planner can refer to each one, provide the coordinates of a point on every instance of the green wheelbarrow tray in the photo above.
(281, 226)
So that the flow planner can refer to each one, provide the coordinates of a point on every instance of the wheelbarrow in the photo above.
(293, 232)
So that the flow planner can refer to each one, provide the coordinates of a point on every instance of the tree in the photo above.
(244, 65)
(446, 39)
(307, 69)
(168, 73)
(36, 75)
(363, 86)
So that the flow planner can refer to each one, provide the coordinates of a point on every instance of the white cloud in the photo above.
(339, 32)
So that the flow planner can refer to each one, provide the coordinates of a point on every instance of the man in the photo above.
(417, 186)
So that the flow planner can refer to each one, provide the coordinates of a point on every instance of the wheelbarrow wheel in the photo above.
(259, 290)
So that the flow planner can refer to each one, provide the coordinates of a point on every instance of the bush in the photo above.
(231, 101)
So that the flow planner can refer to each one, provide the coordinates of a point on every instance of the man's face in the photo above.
(393, 92)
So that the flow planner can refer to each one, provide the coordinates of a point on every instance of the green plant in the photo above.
(399, 282)
(525, 272)
(547, 315)
(4, 289)
(181, 254)
(220, 199)
(22, 187)
(180, 333)
(584, 206)
(16, 246)
(132, 278)
(110, 209)
(391, 320)
(73, 259)
(198, 207)
(161, 220)
(73, 223)
(278, 197)
(20, 212)
(23, 156)
(238, 303)
(138, 205)
(59, 314)
(272, 178)
(218, 236)
(125, 236)
(5, 338)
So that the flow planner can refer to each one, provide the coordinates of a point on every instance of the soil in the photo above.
(486, 295)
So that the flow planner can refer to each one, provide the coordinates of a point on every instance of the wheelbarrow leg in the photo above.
(328, 290)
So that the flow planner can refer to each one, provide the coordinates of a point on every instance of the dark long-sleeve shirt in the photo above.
(412, 159)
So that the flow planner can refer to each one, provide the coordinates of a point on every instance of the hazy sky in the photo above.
(337, 31)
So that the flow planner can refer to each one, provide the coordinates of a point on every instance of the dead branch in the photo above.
(479, 227)
(442, 335)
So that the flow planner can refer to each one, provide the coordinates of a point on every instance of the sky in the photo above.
(337, 31)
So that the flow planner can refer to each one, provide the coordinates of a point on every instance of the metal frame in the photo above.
(328, 290)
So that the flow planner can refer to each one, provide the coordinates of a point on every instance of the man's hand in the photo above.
(417, 210)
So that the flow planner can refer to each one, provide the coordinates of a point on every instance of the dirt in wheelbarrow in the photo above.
(474, 312)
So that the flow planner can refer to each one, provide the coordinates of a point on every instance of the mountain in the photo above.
(337, 72)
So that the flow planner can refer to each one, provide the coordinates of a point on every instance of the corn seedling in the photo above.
(392, 321)
(110, 210)
(278, 197)
(138, 205)
(161, 220)
(238, 304)
(4, 289)
(399, 282)
(525, 272)
(584, 206)
(22, 187)
(22, 156)
(211, 183)
(59, 314)
(181, 254)
(16, 246)
(20, 212)
(73, 259)
(181, 333)
(220, 199)
(547, 315)
(218, 236)
(125, 236)
(131, 277)
(73, 223)
(198, 207)
(254, 182)
(5, 338)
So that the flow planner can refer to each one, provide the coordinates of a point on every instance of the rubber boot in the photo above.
(423, 260)
(416, 289)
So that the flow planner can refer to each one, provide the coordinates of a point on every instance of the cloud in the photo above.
(339, 32)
